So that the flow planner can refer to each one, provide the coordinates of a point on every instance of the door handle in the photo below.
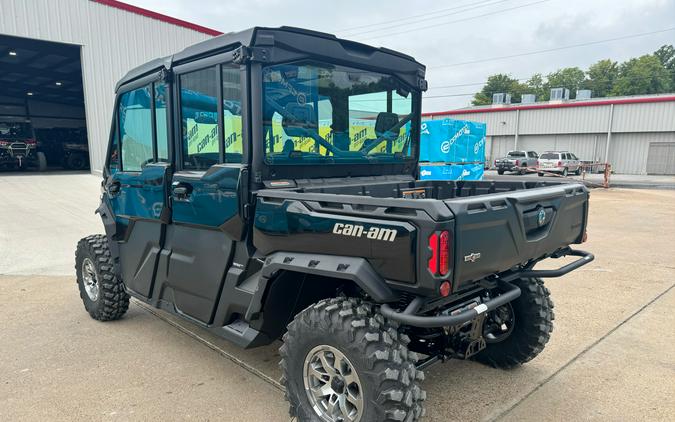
(181, 189)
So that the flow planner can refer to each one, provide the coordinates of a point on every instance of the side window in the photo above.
(114, 160)
(232, 114)
(160, 122)
(199, 118)
(135, 129)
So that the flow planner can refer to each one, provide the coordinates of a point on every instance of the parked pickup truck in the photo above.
(277, 198)
(517, 161)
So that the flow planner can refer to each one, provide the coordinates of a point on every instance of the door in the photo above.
(661, 158)
(138, 180)
(209, 190)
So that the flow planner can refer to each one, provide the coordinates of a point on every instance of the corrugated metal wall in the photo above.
(113, 41)
(582, 130)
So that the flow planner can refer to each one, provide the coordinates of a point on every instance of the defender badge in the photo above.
(472, 257)
(541, 217)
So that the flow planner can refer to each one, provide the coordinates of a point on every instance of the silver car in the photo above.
(562, 162)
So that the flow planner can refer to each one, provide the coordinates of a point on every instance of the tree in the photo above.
(644, 75)
(571, 78)
(601, 77)
(537, 86)
(666, 55)
(496, 84)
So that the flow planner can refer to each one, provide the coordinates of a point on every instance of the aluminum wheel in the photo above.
(332, 385)
(89, 279)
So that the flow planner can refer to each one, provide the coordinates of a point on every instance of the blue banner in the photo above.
(452, 141)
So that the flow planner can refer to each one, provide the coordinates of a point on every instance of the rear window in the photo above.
(516, 153)
(549, 156)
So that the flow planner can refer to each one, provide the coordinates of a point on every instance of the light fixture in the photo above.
(58, 84)
(12, 53)
(29, 93)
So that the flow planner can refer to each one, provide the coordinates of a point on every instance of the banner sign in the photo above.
(452, 141)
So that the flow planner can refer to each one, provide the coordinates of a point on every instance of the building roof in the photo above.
(158, 16)
(635, 99)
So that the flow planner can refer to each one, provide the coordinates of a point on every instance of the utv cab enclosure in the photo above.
(263, 185)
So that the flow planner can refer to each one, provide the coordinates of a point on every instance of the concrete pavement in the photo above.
(611, 355)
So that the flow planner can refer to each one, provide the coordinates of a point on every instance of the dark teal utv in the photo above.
(262, 185)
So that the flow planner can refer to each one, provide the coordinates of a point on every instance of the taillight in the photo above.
(444, 252)
(433, 261)
(439, 263)
(31, 142)
(537, 163)
(517, 162)
(559, 163)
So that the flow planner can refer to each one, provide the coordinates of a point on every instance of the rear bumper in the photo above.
(509, 293)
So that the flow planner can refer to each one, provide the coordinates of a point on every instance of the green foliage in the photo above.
(649, 74)
(644, 75)
(496, 84)
(571, 78)
(601, 77)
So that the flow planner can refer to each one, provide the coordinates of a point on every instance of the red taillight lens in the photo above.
(445, 288)
(433, 261)
(439, 263)
(559, 163)
(31, 142)
(444, 252)
(517, 162)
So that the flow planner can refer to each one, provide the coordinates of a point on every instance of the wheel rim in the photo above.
(332, 385)
(89, 280)
(499, 324)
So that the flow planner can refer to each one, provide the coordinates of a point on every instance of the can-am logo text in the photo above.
(355, 230)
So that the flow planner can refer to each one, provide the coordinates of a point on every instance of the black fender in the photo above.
(354, 269)
(110, 226)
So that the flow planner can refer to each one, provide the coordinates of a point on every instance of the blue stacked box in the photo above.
(455, 147)
(451, 172)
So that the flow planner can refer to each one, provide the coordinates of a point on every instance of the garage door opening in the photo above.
(42, 116)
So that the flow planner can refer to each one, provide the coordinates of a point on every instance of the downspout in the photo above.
(609, 132)
(515, 142)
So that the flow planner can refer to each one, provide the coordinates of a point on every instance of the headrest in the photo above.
(299, 119)
(384, 122)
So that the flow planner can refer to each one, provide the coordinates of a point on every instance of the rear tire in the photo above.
(101, 291)
(532, 326)
(540, 174)
(344, 344)
(564, 172)
(500, 172)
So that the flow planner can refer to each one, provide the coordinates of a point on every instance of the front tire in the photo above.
(341, 361)
(500, 172)
(101, 291)
(528, 331)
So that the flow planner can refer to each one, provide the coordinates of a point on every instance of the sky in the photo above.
(445, 35)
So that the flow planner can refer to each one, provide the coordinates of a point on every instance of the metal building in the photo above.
(636, 135)
(60, 60)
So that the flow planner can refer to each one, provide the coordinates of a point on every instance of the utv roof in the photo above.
(253, 37)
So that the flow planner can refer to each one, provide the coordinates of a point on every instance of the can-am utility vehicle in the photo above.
(262, 185)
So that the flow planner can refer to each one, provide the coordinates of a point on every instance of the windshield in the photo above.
(516, 153)
(321, 113)
(549, 156)
(15, 130)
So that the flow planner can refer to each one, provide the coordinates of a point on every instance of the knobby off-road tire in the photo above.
(101, 291)
(532, 327)
(373, 349)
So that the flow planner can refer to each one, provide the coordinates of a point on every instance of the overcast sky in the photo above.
(446, 33)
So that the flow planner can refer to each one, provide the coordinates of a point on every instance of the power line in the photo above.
(409, 17)
(464, 8)
(458, 20)
(548, 50)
